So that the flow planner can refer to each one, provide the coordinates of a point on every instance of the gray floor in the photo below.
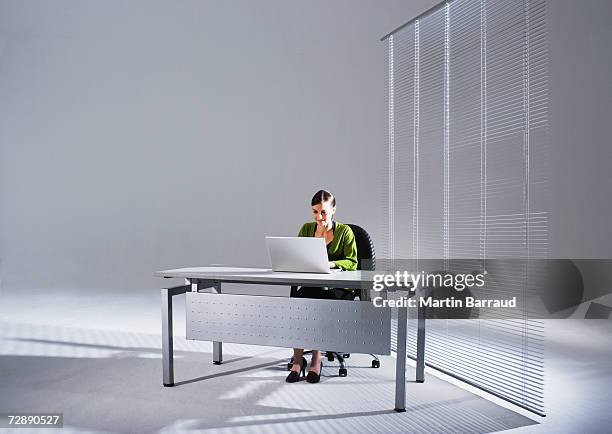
(97, 360)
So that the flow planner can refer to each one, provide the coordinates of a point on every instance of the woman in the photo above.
(341, 253)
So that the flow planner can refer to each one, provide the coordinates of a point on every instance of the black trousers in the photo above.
(322, 293)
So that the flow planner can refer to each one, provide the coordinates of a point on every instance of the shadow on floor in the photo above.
(124, 394)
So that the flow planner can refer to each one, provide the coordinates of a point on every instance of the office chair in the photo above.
(366, 260)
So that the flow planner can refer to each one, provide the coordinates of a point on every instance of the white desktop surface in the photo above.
(267, 276)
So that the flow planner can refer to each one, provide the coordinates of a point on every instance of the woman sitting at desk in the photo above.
(341, 253)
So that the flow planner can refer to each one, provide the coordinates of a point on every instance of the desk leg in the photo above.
(217, 352)
(420, 362)
(167, 338)
(400, 363)
(217, 346)
(167, 332)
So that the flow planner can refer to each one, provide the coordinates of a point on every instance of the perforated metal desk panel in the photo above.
(350, 326)
(341, 325)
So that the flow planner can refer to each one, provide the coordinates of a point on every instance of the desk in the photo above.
(350, 326)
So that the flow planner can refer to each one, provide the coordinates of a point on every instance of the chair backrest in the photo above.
(366, 255)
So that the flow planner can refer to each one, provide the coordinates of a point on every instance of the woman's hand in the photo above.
(332, 264)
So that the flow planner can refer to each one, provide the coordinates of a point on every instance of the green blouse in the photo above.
(342, 250)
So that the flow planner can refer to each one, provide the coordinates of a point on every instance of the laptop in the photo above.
(299, 255)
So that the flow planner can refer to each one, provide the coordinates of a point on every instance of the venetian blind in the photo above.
(467, 93)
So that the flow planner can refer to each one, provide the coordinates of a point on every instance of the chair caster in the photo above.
(346, 356)
(376, 363)
(342, 372)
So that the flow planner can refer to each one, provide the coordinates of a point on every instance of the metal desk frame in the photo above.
(194, 283)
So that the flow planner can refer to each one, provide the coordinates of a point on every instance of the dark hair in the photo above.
(322, 196)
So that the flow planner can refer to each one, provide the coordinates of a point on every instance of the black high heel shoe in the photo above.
(294, 376)
(313, 377)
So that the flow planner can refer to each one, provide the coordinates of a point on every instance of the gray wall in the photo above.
(141, 135)
(580, 115)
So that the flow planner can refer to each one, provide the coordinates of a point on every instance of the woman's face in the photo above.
(323, 213)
